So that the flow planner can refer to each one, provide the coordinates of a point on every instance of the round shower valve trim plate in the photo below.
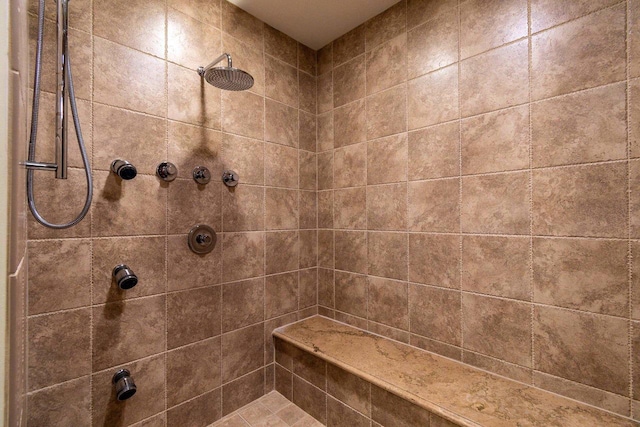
(201, 239)
(201, 175)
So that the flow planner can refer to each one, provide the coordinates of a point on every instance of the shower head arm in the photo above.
(201, 70)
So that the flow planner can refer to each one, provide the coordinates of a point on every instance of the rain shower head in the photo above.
(227, 78)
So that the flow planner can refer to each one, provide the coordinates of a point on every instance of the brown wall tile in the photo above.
(281, 166)
(308, 170)
(242, 256)
(419, 11)
(496, 204)
(206, 11)
(582, 274)
(193, 315)
(350, 208)
(339, 414)
(281, 123)
(145, 133)
(349, 81)
(242, 352)
(585, 200)
(488, 24)
(281, 81)
(118, 81)
(242, 25)
(387, 254)
(281, 209)
(308, 287)
(242, 304)
(494, 80)
(120, 207)
(386, 25)
(350, 166)
(389, 410)
(192, 101)
(433, 98)
(424, 215)
(387, 207)
(194, 369)
(280, 45)
(128, 330)
(498, 328)
(190, 203)
(324, 92)
(190, 146)
(243, 114)
(325, 59)
(243, 208)
(348, 45)
(311, 399)
(435, 313)
(434, 259)
(351, 251)
(434, 152)
(547, 13)
(387, 65)
(578, 128)
(307, 92)
(496, 142)
(561, 337)
(351, 293)
(67, 403)
(248, 57)
(59, 274)
(433, 45)
(387, 160)
(202, 410)
(201, 39)
(497, 266)
(282, 251)
(244, 390)
(578, 55)
(388, 302)
(107, 410)
(281, 294)
(325, 209)
(307, 130)
(350, 124)
(386, 112)
(58, 347)
(325, 131)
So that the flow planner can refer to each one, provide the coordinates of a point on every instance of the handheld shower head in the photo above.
(227, 78)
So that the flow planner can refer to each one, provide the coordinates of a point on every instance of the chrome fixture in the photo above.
(201, 175)
(64, 92)
(230, 178)
(124, 169)
(124, 277)
(125, 387)
(167, 171)
(201, 239)
(227, 78)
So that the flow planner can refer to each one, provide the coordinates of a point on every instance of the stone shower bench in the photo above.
(459, 393)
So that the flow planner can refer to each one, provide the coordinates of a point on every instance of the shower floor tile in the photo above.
(271, 410)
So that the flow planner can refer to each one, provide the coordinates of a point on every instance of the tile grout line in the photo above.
(629, 212)
(166, 239)
(407, 201)
(531, 208)
(460, 189)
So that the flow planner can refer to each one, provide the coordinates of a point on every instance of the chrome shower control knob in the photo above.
(167, 171)
(230, 178)
(201, 239)
(201, 175)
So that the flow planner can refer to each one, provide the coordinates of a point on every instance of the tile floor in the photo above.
(271, 410)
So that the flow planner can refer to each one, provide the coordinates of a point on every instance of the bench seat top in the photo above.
(453, 390)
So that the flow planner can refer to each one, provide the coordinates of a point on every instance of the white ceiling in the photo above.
(314, 22)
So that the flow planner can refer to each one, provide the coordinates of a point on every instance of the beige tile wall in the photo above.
(478, 187)
(195, 332)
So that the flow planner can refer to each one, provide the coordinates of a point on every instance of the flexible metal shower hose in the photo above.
(34, 131)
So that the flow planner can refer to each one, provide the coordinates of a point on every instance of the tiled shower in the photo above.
(461, 176)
